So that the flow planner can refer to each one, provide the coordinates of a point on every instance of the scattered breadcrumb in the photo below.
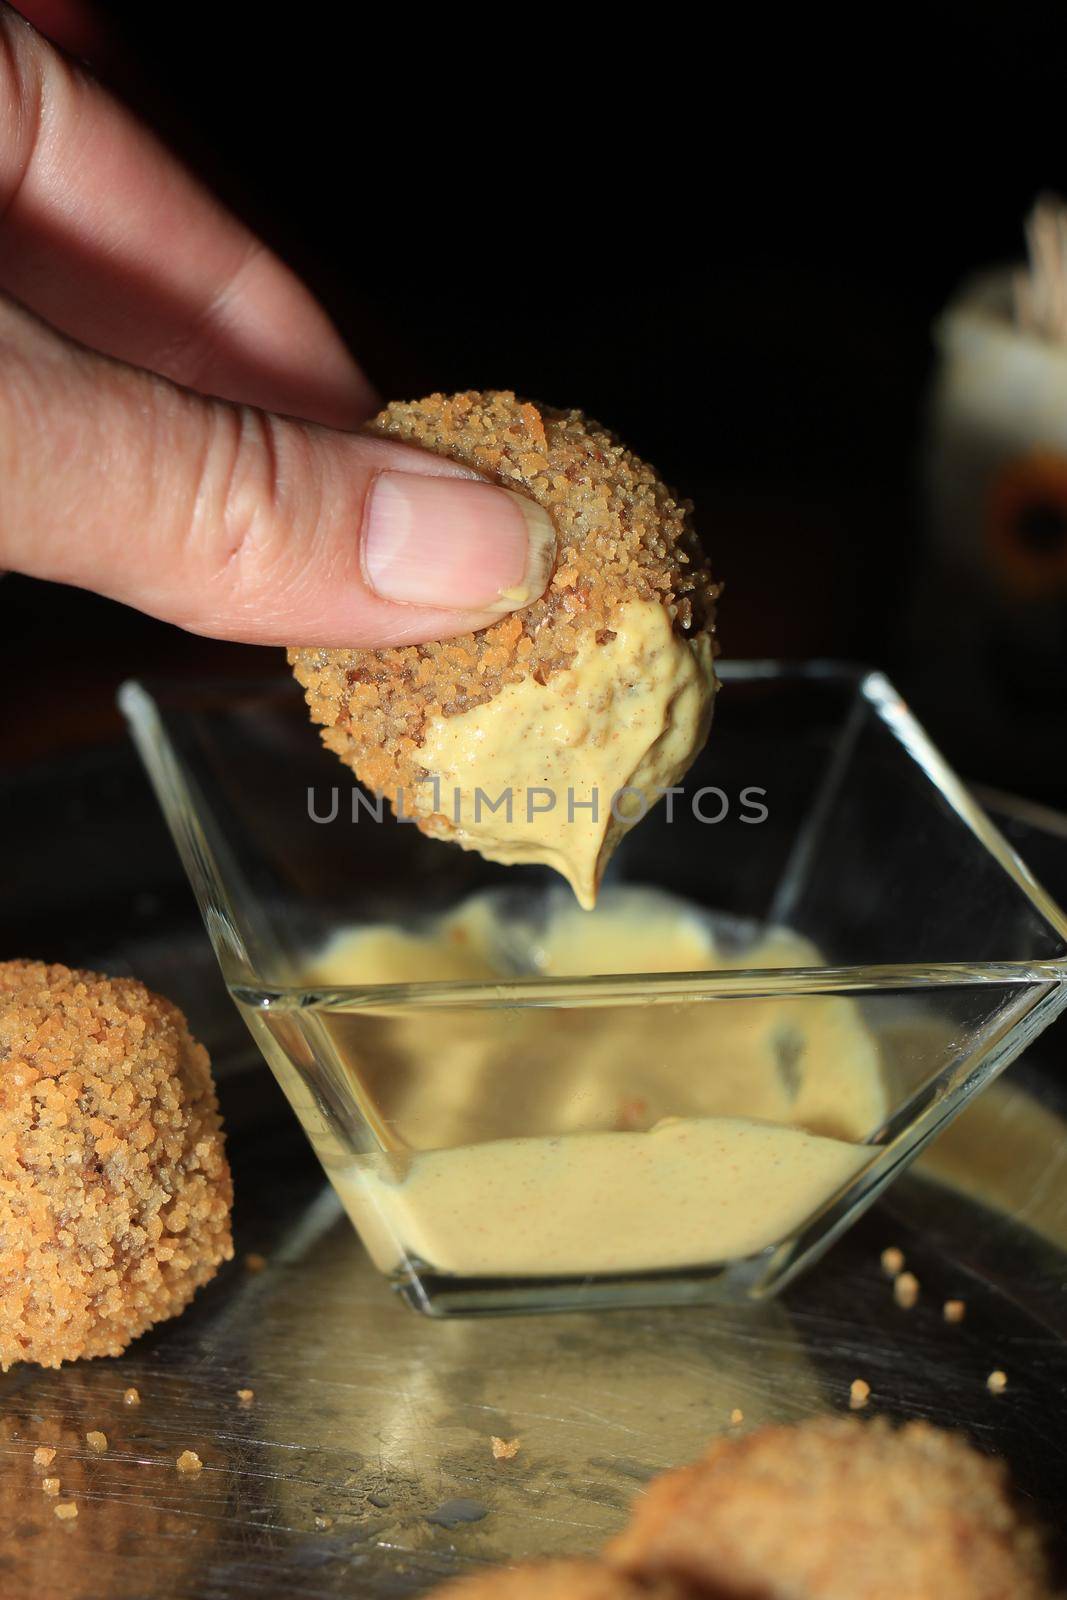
(50, 1485)
(892, 1261)
(858, 1394)
(65, 1510)
(113, 1176)
(189, 1461)
(954, 1310)
(736, 1416)
(96, 1441)
(254, 1262)
(906, 1289)
(131, 1397)
(44, 1455)
(246, 1396)
(323, 1522)
(505, 1449)
(622, 535)
(997, 1382)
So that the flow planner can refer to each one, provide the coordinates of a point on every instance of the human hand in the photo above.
(155, 359)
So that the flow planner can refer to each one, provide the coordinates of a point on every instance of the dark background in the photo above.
(723, 234)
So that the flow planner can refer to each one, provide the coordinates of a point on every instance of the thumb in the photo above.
(236, 523)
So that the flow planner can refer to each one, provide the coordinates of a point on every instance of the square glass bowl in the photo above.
(508, 1138)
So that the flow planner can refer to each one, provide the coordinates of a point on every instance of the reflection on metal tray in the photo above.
(363, 1466)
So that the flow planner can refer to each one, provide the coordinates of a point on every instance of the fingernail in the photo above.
(455, 543)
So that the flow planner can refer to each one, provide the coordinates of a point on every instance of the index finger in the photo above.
(106, 236)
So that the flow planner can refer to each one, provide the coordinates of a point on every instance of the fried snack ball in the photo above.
(836, 1509)
(559, 1580)
(115, 1192)
(621, 536)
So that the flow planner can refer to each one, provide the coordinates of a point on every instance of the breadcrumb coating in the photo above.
(558, 1580)
(115, 1192)
(622, 535)
(837, 1509)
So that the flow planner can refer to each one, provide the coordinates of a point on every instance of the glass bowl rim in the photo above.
(139, 703)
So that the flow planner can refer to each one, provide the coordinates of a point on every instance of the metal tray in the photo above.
(363, 1465)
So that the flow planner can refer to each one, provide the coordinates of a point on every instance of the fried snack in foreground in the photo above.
(115, 1192)
(559, 1580)
(605, 683)
(836, 1509)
